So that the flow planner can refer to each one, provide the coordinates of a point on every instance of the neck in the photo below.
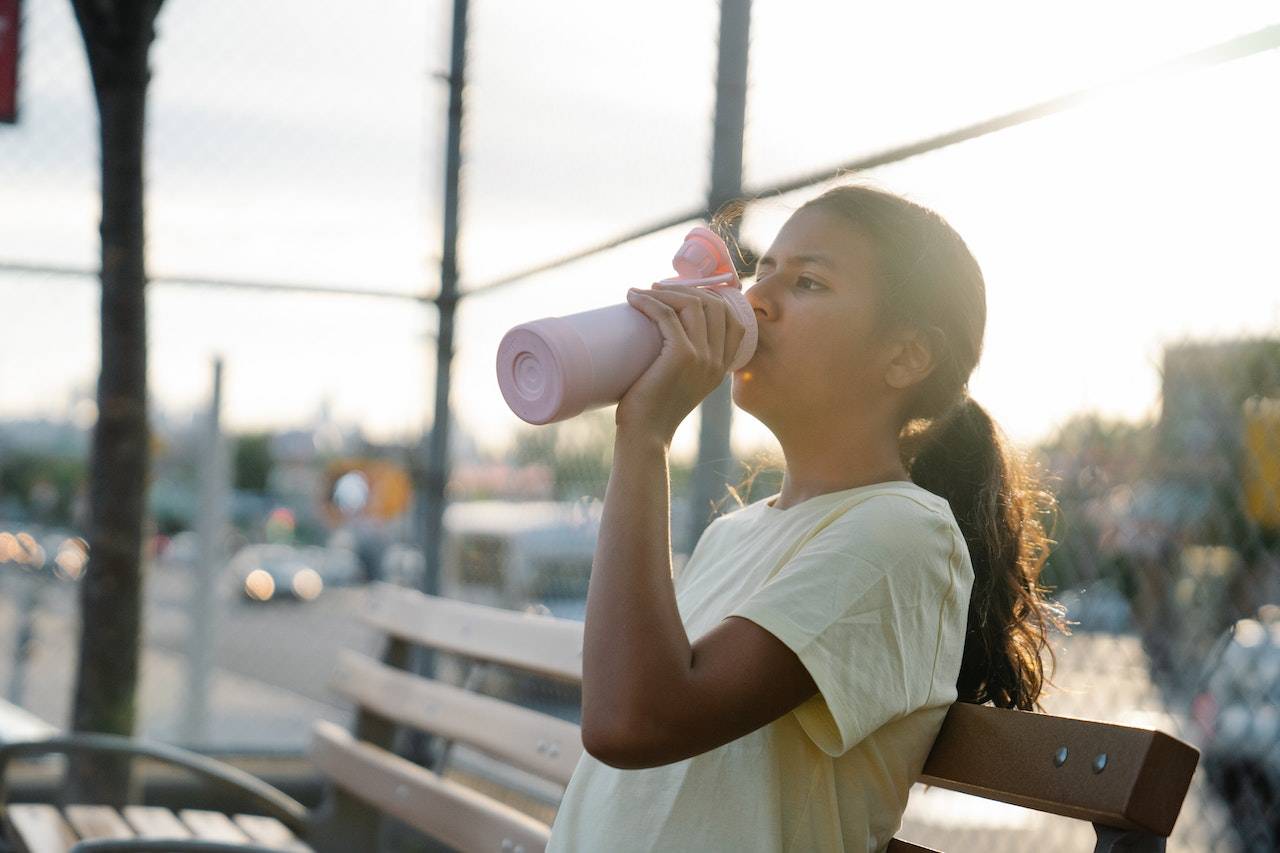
(823, 457)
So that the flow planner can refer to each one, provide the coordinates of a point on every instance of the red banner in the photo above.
(9, 21)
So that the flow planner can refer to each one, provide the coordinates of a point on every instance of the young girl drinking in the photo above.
(783, 691)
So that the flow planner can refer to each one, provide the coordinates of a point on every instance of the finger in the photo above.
(735, 332)
(716, 312)
(692, 311)
(661, 313)
(733, 338)
(719, 322)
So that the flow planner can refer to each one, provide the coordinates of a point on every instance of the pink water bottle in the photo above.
(558, 367)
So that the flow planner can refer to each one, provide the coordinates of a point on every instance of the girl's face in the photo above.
(814, 301)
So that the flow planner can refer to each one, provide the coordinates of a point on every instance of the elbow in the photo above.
(619, 746)
(608, 745)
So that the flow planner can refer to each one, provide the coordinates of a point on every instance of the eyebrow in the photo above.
(815, 258)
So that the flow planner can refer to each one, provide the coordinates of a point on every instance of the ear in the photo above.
(912, 356)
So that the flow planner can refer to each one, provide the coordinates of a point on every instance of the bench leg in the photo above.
(1112, 840)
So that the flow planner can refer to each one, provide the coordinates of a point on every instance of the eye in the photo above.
(804, 278)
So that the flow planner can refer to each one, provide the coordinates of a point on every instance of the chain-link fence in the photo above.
(1133, 340)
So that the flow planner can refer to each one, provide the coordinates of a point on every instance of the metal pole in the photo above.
(437, 470)
(715, 456)
(429, 485)
(203, 607)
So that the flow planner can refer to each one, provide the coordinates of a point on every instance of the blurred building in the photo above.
(1204, 389)
(1218, 470)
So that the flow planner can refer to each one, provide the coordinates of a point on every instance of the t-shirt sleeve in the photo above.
(862, 605)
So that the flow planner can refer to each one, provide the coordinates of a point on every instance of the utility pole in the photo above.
(715, 463)
(204, 602)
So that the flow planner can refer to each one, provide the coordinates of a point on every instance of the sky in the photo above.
(301, 142)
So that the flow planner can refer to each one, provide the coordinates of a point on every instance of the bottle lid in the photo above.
(704, 261)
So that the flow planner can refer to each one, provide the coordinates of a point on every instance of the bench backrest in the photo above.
(1115, 776)
(370, 777)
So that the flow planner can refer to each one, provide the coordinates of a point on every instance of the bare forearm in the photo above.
(635, 649)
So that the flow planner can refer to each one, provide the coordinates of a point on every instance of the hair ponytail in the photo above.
(963, 457)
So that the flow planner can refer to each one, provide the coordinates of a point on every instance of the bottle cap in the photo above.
(703, 259)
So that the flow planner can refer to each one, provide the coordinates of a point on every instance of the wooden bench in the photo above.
(1128, 782)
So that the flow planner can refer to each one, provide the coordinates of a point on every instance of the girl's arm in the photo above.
(648, 697)
(635, 649)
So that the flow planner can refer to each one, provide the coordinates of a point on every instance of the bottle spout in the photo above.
(703, 259)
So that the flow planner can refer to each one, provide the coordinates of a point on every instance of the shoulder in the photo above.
(904, 512)
(899, 526)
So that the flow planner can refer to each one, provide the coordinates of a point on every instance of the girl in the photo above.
(783, 692)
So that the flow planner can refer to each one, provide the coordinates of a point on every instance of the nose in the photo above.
(759, 300)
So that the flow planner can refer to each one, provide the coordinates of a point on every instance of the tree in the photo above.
(26, 476)
(253, 462)
(117, 37)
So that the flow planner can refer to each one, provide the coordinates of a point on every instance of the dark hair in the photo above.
(953, 448)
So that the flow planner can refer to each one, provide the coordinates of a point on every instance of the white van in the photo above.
(521, 554)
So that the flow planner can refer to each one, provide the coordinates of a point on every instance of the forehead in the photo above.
(824, 239)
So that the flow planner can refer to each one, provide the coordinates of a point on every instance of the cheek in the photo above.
(841, 363)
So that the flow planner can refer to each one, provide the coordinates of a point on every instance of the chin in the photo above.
(743, 390)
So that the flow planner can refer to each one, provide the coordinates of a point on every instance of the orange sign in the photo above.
(389, 489)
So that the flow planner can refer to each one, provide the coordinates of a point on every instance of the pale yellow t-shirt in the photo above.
(871, 591)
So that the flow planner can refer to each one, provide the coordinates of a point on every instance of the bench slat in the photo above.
(269, 832)
(155, 822)
(212, 826)
(441, 808)
(1008, 755)
(544, 645)
(540, 743)
(38, 828)
(97, 822)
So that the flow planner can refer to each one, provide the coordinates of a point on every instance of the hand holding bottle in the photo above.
(700, 338)
(557, 367)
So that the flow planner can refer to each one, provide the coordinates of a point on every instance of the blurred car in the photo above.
(337, 566)
(1238, 712)
(267, 572)
(43, 553)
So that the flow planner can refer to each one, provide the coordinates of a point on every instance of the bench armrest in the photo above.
(273, 801)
